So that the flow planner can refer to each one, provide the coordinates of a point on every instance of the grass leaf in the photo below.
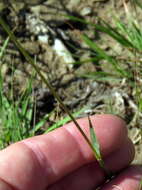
(96, 147)
(103, 55)
(102, 76)
(41, 123)
(2, 50)
(114, 33)
(94, 141)
(140, 185)
(64, 121)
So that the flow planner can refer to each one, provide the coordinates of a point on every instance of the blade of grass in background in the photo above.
(103, 55)
(64, 121)
(102, 76)
(132, 32)
(114, 33)
(41, 123)
(105, 28)
(123, 34)
(3, 48)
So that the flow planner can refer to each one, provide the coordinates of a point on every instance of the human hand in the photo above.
(62, 160)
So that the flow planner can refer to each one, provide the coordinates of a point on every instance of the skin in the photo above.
(62, 160)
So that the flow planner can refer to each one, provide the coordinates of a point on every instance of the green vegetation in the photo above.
(16, 115)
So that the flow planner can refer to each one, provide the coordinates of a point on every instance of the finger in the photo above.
(91, 175)
(130, 179)
(37, 162)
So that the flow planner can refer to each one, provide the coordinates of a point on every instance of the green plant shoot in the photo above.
(140, 185)
(95, 144)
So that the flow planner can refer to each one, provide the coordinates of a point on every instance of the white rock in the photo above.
(62, 51)
(86, 11)
(43, 38)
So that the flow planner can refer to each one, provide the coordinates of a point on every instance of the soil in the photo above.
(37, 26)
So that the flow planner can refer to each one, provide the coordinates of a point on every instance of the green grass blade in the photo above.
(97, 150)
(102, 54)
(64, 121)
(102, 76)
(112, 32)
(94, 141)
(106, 28)
(41, 123)
(77, 19)
(132, 32)
(140, 185)
(2, 50)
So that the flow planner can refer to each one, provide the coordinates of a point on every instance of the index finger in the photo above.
(40, 161)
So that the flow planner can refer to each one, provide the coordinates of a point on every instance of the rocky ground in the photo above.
(44, 31)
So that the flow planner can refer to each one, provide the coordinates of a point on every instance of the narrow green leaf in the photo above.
(64, 121)
(96, 146)
(140, 185)
(94, 140)
(102, 76)
(2, 50)
(41, 123)
(102, 54)
(77, 19)
(114, 33)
